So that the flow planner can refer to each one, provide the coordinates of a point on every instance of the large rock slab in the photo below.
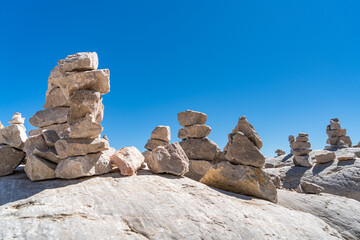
(63, 130)
(200, 149)
(85, 102)
(197, 169)
(325, 157)
(85, 128)
(10, 158)
(150, 207)
(189, 118)
(13, 135)
(79, 147)
(128, 159)
(169, 159)
(37, 168)
(240, 150)
(80, 62)
(49, 117)
(56, 98)
(241, 179)
(161, 133)
(194, 131)
(248, 130)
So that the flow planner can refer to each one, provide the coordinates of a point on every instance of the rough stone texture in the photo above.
(162, 133)
(150, 207)
(291, 139)
(312, 188)
(49, 154)
(241, 150)
(10, 158)
(56, 98)
(194, 131)
(303, 161)
(325, 157)
(50, 137)
(347, 156)
(63, 130)
(79, 147)
(37, 168)
(147, 155)
(80, 62)
(339, 212)
(85, 128)
(49, 117)
(241, 179)
(300, 152)
(189, 118)
(248, 130)
(169, 159)
(335, 124)
(200, 149)
(82, 166)
(337, 136)
(85, 102)
(197, 169)
(34, 142)
(302, 137)
(219, 157)
(280, 161)
(13, 135)
(280, 152)
(154, 143)
(128, 160)
(17, 119)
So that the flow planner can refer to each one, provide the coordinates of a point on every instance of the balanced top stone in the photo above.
(248, 130)
(335, 123)
(336, 135)
(189, 118)
(80, 61)
(17, 119)
(161, 133)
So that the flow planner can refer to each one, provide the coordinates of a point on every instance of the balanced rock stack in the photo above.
(300, 148)
(242, 171)
(160, 136)
(199, 149)
(67, 143)
(337, 136)
(12, 140)
(280, 152)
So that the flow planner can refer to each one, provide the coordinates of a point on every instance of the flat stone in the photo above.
(300, 152)
(312, 188)
(79, 147)
(162, 133)
(17, 119)
(303, 161)
(34, 142)
(85, 128)
(154, 143)
(194, 131)
(197, 169)
(200, 149)
(302, 137)
(10, 158)
(85, 102)
(335, 123)
(37, 168)
(63, 130)
(336, 132)
(346, 156)
(49, 154)
(50, 137)
(280, 152)
(169, 159)
(128, 160)
(49, 117)
(13, 135)
(300, 145)
(241, 179)
(242, 151)
(291, 139)
(80, 62)
(56, 98)
(189, 118)
(325, 157)
(248, 130)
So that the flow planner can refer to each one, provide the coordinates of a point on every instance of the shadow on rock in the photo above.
(318, 168)
(293, 177)
(346, 162)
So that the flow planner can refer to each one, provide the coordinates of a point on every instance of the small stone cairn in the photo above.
(300, 148)
(160, 136)
(67, 143)
(12, 140)
(337, 136)
(279, 152)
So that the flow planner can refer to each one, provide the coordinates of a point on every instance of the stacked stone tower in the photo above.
(67, 143)
(279, 152)
(337, 136)
(160, 136)
(300, 148)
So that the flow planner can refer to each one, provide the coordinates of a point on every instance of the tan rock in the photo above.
(325, 157)
(17, 119)
(50, 137)
(197, 169)
(241, 179)
(335, 123)
(49, 154)
(280, 152)
(147, 155)
(347, 156)
(300, 152)
(56, 98)
(85, 102)
(248, 130)
(13, 135)
(35, 142)
(300, 145)
(85, 128)
(194, 131)
(154, 143)
(291, 139)
(10, 158)
(162, 133)
(37, 168)
(302, 137)
(80, 62)
(78, 147)
(189, 118)
(309, 187)
(128, 160)
(219, 157)
(49, 117)
(63, 130)
(200, 149)
(303, 161)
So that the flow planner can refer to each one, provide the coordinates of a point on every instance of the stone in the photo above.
(347, 156)
(80, 62)
(161, 133)
(147, 155)
(194, 131)
(10, 158)
(1, 126)
(335, 132)
(79, 147)
(85, 102)
(312, 188)
(128, 160)
(13, 135)
(335, 124)
(200, 149)
(197, 169)
(50, 137)
(325, 157)
(56, 98)
(242, 151)
(302, 137)
(169, 159)
(17, 119)
(291, 139)
(219, 157)
(300, 145)
(300, 152)
(85, 128)
(35, 142)
(189, 118)
(154, 143)
(242, 179)
(280, 161)
(37, 168)
(49, 154)
(280, 152)
(63, 130)
(248, 130)
(303, 161)
(49, 117)
(82, 166)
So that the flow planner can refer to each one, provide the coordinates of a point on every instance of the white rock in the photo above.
(80, 62)
(13, 135)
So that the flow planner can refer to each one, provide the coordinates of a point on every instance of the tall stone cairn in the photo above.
(200, 150)
(337, 136)
(67, 143)
(242, 172)
(300, 148)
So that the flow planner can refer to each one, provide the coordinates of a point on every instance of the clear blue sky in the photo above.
(289, 66)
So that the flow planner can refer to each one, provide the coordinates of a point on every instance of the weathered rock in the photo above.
(49, 154)
(291, 139)
(85, 128)
(50, 137)
(56, 98)
(10, 158)
(63, 130)
(161, 133)
(241, 179)
(189, 118)
(197, 169)
(79, 147)
(312, 188)
(169, 159)
(335, 123)
(335, 132)
(325, 157)
(200, 149)
(300, 145)
(194, 131)
(280, 161)
(82, 166)
(303, 161)
(1, 126)
(280, 152)
(154, 143)
(49, 117)
(300, 152)
(34, 142)
(248, 130)
(80, 62)
(17, 119)
(302, 137)
(128, 160)
(242, 151)
(346, 156)
(219, 157)
(37, 168)
(13, 135)
(85, 102)
(147, 155)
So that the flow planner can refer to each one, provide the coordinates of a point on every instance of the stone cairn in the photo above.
(279, 152)
(242, 172)
(199, 149)
(160, 136)
(12, 140)
(300, 148)
(67, 143)
(337, 136)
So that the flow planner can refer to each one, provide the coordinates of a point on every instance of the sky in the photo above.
(289, 66)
